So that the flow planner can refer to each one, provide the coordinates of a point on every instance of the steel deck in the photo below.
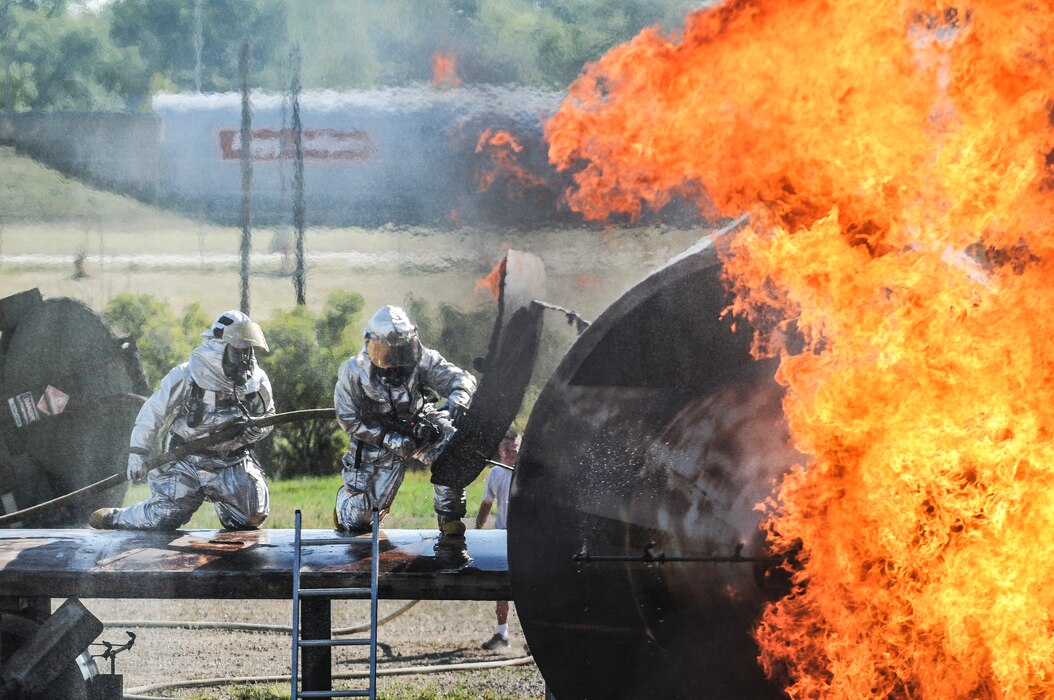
(216, 564)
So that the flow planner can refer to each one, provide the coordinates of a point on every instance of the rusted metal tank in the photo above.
(635, 557)
(70, 391)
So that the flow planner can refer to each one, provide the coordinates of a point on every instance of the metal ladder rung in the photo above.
(299, 593)
(334, 642)
(333, 592)
(334, 694)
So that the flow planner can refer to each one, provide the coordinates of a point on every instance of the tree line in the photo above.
(115, 54)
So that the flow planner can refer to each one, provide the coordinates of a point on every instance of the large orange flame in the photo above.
(895, 158)
(494, 279)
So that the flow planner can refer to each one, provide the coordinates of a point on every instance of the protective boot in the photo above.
(451, 531)
(450, 550)
(102, 519)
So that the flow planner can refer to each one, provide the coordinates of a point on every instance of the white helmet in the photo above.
(392, 344)
(237, 330)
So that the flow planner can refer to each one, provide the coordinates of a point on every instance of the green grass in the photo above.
(315, 496)
(32, 192)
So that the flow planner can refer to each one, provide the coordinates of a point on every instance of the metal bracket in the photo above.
(112, 651)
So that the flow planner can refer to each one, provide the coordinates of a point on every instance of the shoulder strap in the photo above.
(194, 406)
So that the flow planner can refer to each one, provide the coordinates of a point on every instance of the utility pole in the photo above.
(299, 281)
(247, 173)
(198, 44)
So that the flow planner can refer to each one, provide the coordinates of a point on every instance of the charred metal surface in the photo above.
(506, 372)
(65, 384)
(220, 564)
(657, 431)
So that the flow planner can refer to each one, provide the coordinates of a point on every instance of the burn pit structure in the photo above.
(634, 554)
(636, 560)
(71, 390)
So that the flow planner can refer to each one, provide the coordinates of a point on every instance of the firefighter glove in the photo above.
(426, 432)
(136, 467)
(399, 444)
(251, 433)
(455, 411)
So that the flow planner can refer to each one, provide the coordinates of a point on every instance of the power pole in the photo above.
(198, 45)
(299, 281)
(247, 173)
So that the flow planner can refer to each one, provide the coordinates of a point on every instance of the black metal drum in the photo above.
(637, 564)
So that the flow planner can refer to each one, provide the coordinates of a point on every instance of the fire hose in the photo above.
(250, 626)
(222, 434)
(344, 675)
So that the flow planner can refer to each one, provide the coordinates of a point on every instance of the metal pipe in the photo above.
(191, 447)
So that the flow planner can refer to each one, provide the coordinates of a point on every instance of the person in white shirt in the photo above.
(496, 493)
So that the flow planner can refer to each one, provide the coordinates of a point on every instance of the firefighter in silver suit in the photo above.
(220, 385)
(386, 399)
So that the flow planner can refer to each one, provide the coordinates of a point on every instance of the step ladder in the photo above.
(330, 593)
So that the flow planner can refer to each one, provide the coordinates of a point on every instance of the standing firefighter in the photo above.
(219, 386)
(386, 399)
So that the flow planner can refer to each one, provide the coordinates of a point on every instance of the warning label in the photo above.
(53, 401)
(23, 409)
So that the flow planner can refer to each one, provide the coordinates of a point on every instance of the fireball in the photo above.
(895, 160)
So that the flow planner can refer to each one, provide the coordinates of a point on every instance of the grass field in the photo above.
(47, 221)
(314, 496)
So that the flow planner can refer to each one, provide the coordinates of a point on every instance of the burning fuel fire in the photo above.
(492, 282)
(502, 148)
(895, 160)
(444, 71)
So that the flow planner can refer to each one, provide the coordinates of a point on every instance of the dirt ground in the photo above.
(431, 633)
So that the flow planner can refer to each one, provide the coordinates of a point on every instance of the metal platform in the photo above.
(216, 564)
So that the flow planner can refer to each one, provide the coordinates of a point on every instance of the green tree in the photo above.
(161, 337)
(165, 33)
(460, 336)
(55, 60)
(302, 375)
(372, 43)
(338, 326)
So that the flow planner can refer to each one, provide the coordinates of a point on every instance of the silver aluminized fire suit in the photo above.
(378, 414)
(202, 398)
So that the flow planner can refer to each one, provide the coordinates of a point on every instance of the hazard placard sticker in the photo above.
(53, 401)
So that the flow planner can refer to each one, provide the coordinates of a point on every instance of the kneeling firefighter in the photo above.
(221, 385)
(387, 399)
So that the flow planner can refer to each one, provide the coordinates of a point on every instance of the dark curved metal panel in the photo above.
(506, 372)
(656, 436)
(67, 386)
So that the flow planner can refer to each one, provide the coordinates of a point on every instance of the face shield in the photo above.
(245, 334)
(394, 359)
(392, 345)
